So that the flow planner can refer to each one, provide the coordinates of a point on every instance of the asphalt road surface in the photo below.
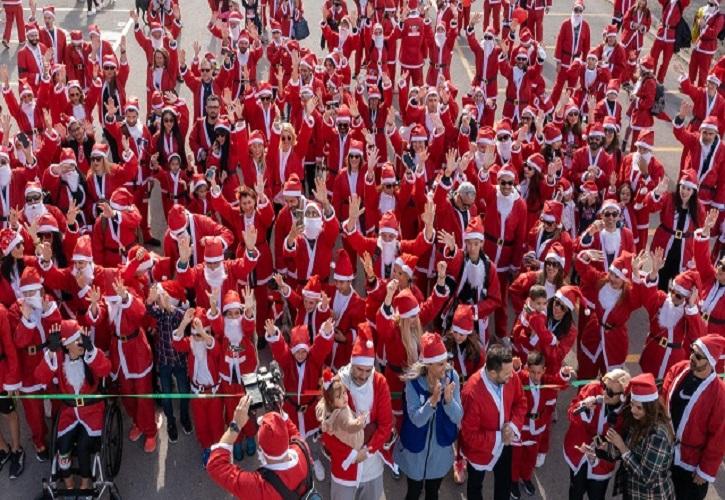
(175, 471)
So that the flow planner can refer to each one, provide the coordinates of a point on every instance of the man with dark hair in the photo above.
(494, 409)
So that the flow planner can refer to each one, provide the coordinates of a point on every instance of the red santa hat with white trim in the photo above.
(389, 224)
(552, 211)
(609, 204)
(710, 123)
(30, 280)
(70, 331)
(213, 248)
(231, 301)
(689, 179)
(313, 288)
(685, 282)
(388, 174)
(292, 186)
(552, 134)
(463, 319)
(33, 187)
(363, 349)
(432, 349)
(556, 253)
(299, 338)
(646, 139)
(9, 239)
(622, 266)
(712, 346)
(474, 230)
(643, 388)
(47, 223)
(407, 263)
(343, 266)
(406, 304)
(121, 200)
(356, 148)
(177, 220)
(273, 437)
(486, 137)
(537, 162)
(83, 251)
(175, 291)
(570, 296)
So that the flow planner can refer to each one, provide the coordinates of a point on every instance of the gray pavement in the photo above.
(174, 471)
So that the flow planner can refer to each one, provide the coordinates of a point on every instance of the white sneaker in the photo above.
(319, 470)
(540, 459)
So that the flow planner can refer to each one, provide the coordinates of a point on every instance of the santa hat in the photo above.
(474, 230)
(292, 186)
(30, 280)
(529, 110)
(596, 130)
(388, 224)
(508, 171)
(503, 127)
(463, 319)
(646, 139)
(231, 301)
(83, 251)
(235, 16)
(689, 179)
(374, 92)
(175, 291)
(610, 203)
(313, 288)
(622, 266)
(406, 304)
(343, 267)
(272, 436)
(70, 331)
(613, 86)
(413, 4)
(49, 10)
(418, 133)
(556, 253)
(197, 180)
(643, 388)
(356, 148)
(571, 107)
(610, 30)
(593, 55)
(327, 377)
(388, 174)
(33, 187)
(256, 137)
(590, 187)
(407, 263)
(565, 186)
(432, 349)
(157, 100)
(525, 36)
(47, 223)
(569, 295)
(9, 239)
(710, 123)
(177, 219)
(685, 282)
(552, 133)
(274, 26)
(93, 29)
(299, 338)
(712, 346)
(537, 162)
(25, 89)
(76, 36)
(213, 248)
(309, 61)
(109, 60)
(714, 79)
(610, 123)
(155, 27)
(363, 349)
(99, 150)
(486, 136)
(264, 89)
(579, 4)
(121, 199)
(67, 156)
(343, 115)
(552, 211)
(647, 63)
(222, 124)
(150, 258)
(31, 29)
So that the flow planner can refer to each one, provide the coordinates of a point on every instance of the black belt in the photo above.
(80, 402)
(2, 357)
(32, 350)
(607, 326)
(236, 348)
(439, 66)
(126, 338)
(499, 241)
(533, 415)
(394, 368)
(3, 218)
(517, 102)
(301, 408)
(709, 319)
(662, 342)
(201, 389)
(677, 234)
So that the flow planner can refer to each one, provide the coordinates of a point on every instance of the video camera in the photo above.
(265, 388)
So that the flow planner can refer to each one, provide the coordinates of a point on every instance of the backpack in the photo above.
(307, 486)
(683, 33)
(658, 106)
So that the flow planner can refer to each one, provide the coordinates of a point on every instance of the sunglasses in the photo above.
(578, 11)
(74, 94)
(551, 263)
(696, 354)
(265, 98)
(610, 214)
(505, 183)
(96, 158)
(286, 138)
(354, 156)
(205, 70)
(489, 38)
(332, 105)
(559, 304)
(388, 186)
(503, 137)
(677, 296)
(33, 198)
(109, 68)
(610, 392)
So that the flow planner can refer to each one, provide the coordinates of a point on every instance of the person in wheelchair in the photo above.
(74, 361)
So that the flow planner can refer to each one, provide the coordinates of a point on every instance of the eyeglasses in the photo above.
(677, 296)
(696, 354)
(611, 393)
(610, 214)
(33, 198)
(505, 183)
(286, 138)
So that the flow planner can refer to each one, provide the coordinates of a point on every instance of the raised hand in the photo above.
(447, 239)
(184, 245)
(250, 238)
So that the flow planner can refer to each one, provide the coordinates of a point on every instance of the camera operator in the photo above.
(72, 359)
(281, 451)
(596, 409)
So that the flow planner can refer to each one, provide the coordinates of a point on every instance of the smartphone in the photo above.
(23, 139)
(299, 217)
(409, 161)
(210, 173)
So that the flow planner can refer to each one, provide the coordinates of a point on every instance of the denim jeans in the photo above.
(182, 384)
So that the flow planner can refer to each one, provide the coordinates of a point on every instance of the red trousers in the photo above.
(562, 78)
(141, 411)
(250, 429)
(524, 459)
(208, 420)
(494, 9)
(415, 75)
(464, 17)
(141, 200)
(666, 49)
(261, 296)
(699, 67)
(14, 13)
(501, 314)
(535, 23)
(35, 417)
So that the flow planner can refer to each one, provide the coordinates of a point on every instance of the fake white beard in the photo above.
(74, 372)
(388, 250)
(386, 203)
(488, 46)
(28, 107)
(378, 40)
(234, 31)
(34, 301)
(157, 43)
(233, 330)
(313, 227)
(215, 277)
(114, 308)
(669, 314)
(576, 20)
(504, 149)
(71, 178)
(440, 39)
(475, 273)
(32, 212)
(87, 272)
(5, 175)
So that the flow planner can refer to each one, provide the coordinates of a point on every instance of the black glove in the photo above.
(53, 343)
(87, 343)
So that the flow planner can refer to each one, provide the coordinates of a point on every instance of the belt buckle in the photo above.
(706, 316)
(80, 402)
(663, 342)
(124, 338)
(678, 234)
(499, 242)
(302, 408)
(32, 350)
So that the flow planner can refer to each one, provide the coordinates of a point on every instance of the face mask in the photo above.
(234, 31)
(71, 178)
(5, 174)
(36, 302)
(440, 39)
(214, 277)
(388, 250)
(233, 330)
(32, 212)
(378, 39)
(646, 157)
(344, 32)
(313, 227)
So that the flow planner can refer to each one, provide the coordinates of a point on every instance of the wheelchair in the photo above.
(106, 461)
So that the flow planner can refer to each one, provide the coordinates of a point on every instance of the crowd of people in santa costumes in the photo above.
(430, 265)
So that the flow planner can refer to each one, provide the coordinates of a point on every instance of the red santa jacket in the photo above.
(29, 336)
(583, 426)
(666, 232)
(101, 187)
(198, 227)
(708, 42)
(703, 106)
(362, 244)
(9, 363)
(314, 259)
(485, 415)
(630, 173)
(567, 48)
(280, 166)
(236, 270)
(700, 433)
(412, 41)
(626, 244)
(613, 58)
(29, 122)
(641, 103)
(672, 11)
(90, 415)
(537, 243)
(712, 189)
(486, 65)
(211, 360)
(635, 24)
(583, 159)
(196, 87)
(55, 39)
(112, 238)
(608, 108)
(232, 74)
(588, 82)
(540, 404)
(348, 311)
(30, 67)
(234, 359)
(712, 295)
(75, 59)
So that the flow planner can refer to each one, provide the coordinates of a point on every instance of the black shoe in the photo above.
(187, 427)
(153, 242)
(43, 456)
(529, 487)
(172, 432)
(17, 463)
(4, 457)
(515, 493)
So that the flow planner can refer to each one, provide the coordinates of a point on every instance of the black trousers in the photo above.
(685, 489)
(501, 478)
(581, 485)
(416, 487)
(85, 447)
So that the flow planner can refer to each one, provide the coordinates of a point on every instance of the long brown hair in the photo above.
(654, 416)
(471, 346)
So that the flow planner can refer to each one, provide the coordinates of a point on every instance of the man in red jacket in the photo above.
(664, 44)
(494, 409)
(573, 41)
(280, 454)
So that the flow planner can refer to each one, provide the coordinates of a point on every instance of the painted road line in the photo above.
(633, 358)
(124, 32)
(465, 63)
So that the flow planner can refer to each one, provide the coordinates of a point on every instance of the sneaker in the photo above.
(205, 456)
(515, 493)
(187, 427)
(238, 452)
(42, 455)
(319, 470)
(540, 459)
(250, 447)
(4, 457)
(459, 471)
(529, 487)
(149, 445)
(134, 434)
(172, 432)
(17, 463)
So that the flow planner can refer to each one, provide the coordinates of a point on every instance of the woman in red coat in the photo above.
(105, 177)
(286, 154)
(552, 277)
(681, 213)
(170, 138)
